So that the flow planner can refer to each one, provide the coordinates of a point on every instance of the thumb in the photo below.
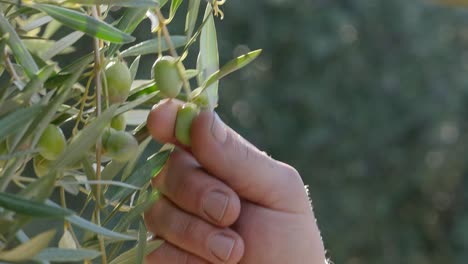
(229, 157)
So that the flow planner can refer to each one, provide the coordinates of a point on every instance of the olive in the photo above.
(119, 145)
(41, 165)
(119, 122)
(51, 143)
(166, 75)
(184, 119)
(119, 82)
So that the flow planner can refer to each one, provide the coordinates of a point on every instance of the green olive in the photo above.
(119, 145)
(119, 122)
(41, 165)
(166, 76)
(51, 143)
(185, 116)
(119, 82)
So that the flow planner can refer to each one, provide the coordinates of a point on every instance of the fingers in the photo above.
(169, 254)
(188, 186)
(193, 235)
(226, 155)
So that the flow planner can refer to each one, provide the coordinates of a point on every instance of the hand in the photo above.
(224, 201)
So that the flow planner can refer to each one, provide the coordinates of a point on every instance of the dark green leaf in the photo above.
(90, 226)
(66, 255)
(128, 23)
(141, 176)
(22, 55)
(29, 249)
(85, 23)
(126, 3)
(31, 208)
(17, 120)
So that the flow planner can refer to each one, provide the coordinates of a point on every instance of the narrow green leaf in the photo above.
(129, 256)
(112, 169)
(134, 67)
(90, 226)
(22, 55)
(175, 4)
(85, 23)
(61, 45)
(31, 208)
(66, 255)
(141, 176)
(28, 250)
(133, 104)
(125, 3)
(17, 120)
(141, 246)
(192, 15)
(128, 218)
(128, 23)
(232, 66)
(208, 59)
(151, 46)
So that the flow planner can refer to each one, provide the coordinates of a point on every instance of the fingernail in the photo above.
(218, 129)
(215, 204)
(221, 246)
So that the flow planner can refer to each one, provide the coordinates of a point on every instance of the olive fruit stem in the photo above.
(167, 38)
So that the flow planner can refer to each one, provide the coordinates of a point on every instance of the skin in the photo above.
(224, 201)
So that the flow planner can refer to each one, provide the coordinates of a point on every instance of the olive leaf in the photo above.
(84, 23)
(191, 19)
(128, 23)
(28, 250)
(90, 226)
(31, 208)
(66, 255)
(231, 67)
(130, 255)
(208, 58)
(125, 3)
(22, 55)
(175, 4)
(151, 46)
(140, 176)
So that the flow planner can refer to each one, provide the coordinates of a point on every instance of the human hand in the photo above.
(224, 201)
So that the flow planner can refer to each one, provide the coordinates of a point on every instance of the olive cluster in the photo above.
(168, 74)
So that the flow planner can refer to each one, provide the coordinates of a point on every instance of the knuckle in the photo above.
(182, 226)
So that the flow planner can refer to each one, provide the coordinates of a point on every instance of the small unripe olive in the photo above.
(200, 97)
(119, 145)
(119, 82)
(119, 122)
(41, 165)
(184, 119)
(51, 143)
(166, 76)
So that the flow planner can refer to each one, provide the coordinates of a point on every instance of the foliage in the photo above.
(62, 116)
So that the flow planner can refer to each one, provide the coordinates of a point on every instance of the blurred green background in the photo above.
(369, 100)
